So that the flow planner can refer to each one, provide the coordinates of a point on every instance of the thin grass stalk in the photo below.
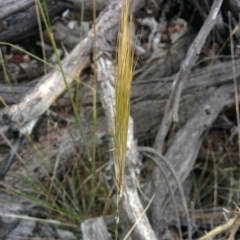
(123, 80)
(234, 80)
(94, 130)
(41, 37)
(78, 84)
(53, 43)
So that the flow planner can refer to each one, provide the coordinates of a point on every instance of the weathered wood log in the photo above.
(18, 19)
(18, 219)
(36, 170)
(147, 93)
(95, 229)
(150, 93)
(171, 116)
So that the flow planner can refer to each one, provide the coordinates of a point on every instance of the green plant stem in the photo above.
(64, 77)
(94, 108)
(119, 198)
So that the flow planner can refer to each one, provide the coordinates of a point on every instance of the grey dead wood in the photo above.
(30, 228)
(233, 6)
(51, 86)
(232, 10)
(185, 145)
(14, 222)
(21, 110)
(199, 83)
(172, 107)
(219, 73)
(95, 229)
(18, 19)
(131, 202)
(145, 97)
(146, 92)
(35, 170)
(24, 229)
(146, 76)
(9, 7)
(147, 151)
(14, 95)
(87, 6)
(66, 36)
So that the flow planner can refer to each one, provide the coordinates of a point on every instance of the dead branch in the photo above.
(149, 84)
(50, 87)
(131, 203)
(95, 229)
(185, 145)
(19, 18)
(171, 110)
(105, 74)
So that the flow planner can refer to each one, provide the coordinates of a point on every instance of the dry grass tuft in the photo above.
(123, 80)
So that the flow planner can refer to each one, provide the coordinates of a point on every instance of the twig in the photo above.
(170, 190)
(234, 80)
(226, 226)
(185, 145)
(162, 158)
(142, 214)
(171, 110)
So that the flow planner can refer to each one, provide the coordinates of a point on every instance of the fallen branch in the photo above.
(131, 202)
(171, 110)
(223, 228)
(184, 147)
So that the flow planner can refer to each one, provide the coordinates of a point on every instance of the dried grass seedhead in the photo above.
(123, 80)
